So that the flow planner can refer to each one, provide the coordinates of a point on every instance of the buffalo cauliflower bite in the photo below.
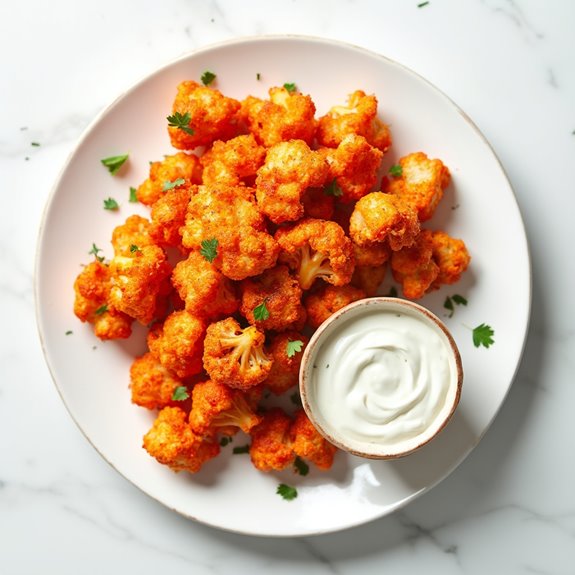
(285, 116)
(218, 408)
(281, 294)
(379, 217)
(229, 214)
(235, 356)
(284, 373)
(271, 448)
(316, 249)
(369, 278)
(213, 116)
(205, 291)
(168, 216)
(309, 444)
(290, 168)
(91, 303)
(359, 117)
(353, 166)
(323, 302)
(173, 443)
(451, 255)
(317, 204)
(232, 162)
(421, 183)
(135, 231)
(180, 166)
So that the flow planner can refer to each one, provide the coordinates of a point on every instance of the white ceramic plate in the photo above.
(479, 206)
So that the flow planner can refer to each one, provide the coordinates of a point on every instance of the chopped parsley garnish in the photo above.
(102, 309)
(111, 204)
(180, 393)
(95, 251)
(241, 449)
(171, 185)
(258, 76)
(261, 312)
(483, 335)
(134, 248)
(295, 399)
(287, 492)
(225, 440)
(209, 249)
(454, 299)
(300, 466)
(208, 77)
(69, 332)
(114, 163)
(181, 121)
(333, 189)
(35, 144)
(392, 292)
(396, 170)
(422, 4)
(133, 196)
(293, 347)
(290, 87)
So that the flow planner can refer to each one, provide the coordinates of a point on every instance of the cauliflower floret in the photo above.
(271, 448)
(316, 249)
(285, 116)
(281, 294)
(309, 444)
(232, 162)
(180, 166)
(217, 407)
(235, 356)
(369, 278)
(326, 300)
(290, 168)
(230, 215)
(358, 117)
(91, 303)
(135, 231)
(168, 216)
(140, 283)
(379, 217)
(451, 255)
(421, 183)
(172, 442)
(205, 290)
(178, 343)
(317, 204)
(284, 373)
(354, 166)
(213, 116)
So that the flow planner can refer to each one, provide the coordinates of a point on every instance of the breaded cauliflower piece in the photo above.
(233, 162)
(172, 442)
(91, 303)
(178, 343)
(359, 117)
(213, 116)
(235, 356)
(135, 231)
(421, 183)
(379, 217)
(414, 268)
(152, 385)
(230, 215)
(354, 165)
(290, 168)
(451, 255)
(284, 373)
(140, 283)
(206, 291)
(326, 300)
(316, 249)
(285, 116)
(180, 166)
(281, 294)
(168, 216)
(216, 408)
(369, 278)
(371, 254)
(309, 444)
(317, 204)
(271, 448)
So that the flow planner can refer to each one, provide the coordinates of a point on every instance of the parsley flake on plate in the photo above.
(133, 197)
(293, 347)
(396, 170)
(181, 121)
(209, 249)
(180, 393)
(287, 492)
(241, 449)
(114, 163)
(208, 77)
(483, 335)
(95, 251)
(290, 87)
(300, 466)
(111, 204)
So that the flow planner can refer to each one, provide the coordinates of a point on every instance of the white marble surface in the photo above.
(510, 507)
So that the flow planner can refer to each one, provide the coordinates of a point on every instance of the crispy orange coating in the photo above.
(326, 300)
(309, 444)
(379, 217)
(172, 442)
(284, 373)
(371, 254)
(285, 116)
(230, 215)
(359, 117)
(232, 162)
(213, 116)
(271, 448)
(235, 356)
(135, 231)
(281, 294)
(206, 291)
(316, 249)
(451, 255)
(168, 216)
(178, 343)
(91, 303)
(369, 278)
(317, 204)
(290, 168)
(354, 166)
(177, 166)
(216, 406)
